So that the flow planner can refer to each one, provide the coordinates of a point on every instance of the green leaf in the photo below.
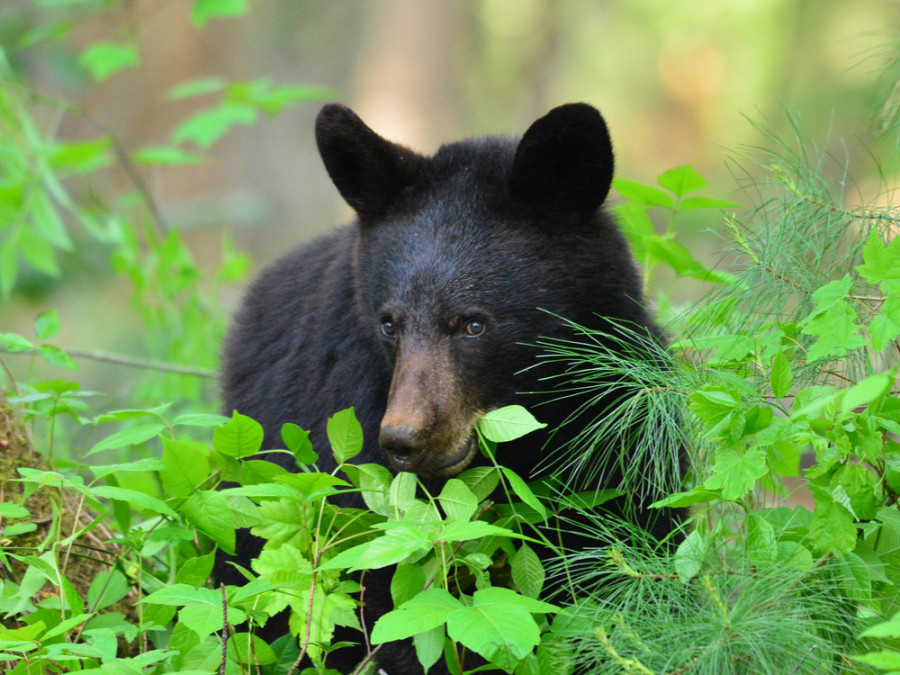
(692, 203)
(240, 437)
(697, 495)
(644, 194)
(208, 126)
(481, 480)
(527, 572)
(395, 546)
(735, 473)
(196, 570)
(408, 582)
(107, 588)
(682, 180)
(166, 155)
(13, 342)
(210, 512)
(57, 357)
(680, 259)
(865, 391)
(104, 59)
(832, 527)
(520, 487)
(457, 500)
(186, 466)
(690, 555)
(881, 262)
(297, 441)
(10, 510)
(508, 423)
(345, 435)
(81, 157)
(429, 646)
(47, 325)
(250, 649)
(886, 629)
(781, 376)
(429, 609)
(138, 499)
(887, 659)
(204, 10)
(198, 87)
(498, 625)
(132, 436)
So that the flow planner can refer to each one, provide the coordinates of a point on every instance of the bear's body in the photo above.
(421, 314)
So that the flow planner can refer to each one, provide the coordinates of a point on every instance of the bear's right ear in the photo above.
(564, 162)
(368, 171)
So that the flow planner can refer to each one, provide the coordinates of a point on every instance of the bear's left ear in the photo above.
(564, 162)
(369, 171)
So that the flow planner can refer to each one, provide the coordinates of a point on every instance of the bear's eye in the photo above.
(474, 328)
(388, 327)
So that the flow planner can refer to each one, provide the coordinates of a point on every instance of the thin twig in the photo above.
(130, 361)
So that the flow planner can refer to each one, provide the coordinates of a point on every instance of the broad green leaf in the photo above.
(781, 377)
(886, 629)
(865, 391)
(508, 423)
(345, 435)
(457, 500)
(682, 180)
(107, 588)
(523, 492)
(80, 157)
(690, 555)
(881, 262)
(680, 259)
(138, 499)
(14, 342)
(250, 649)
(209, 511)
(429, 609)
(166, 155)
(132, 436)
(408, 581)
(297, 441)
(240, 437)
(198, 87)
(57, 357)
(458, 530)
(429, 646)
(692, 203)
(393, 547)
(402, 492)
(208, 126)
(104, 59)
(735, 473)
(312, 485)
(205, 619)
(645, 194)
(10, 510)
(204, 10)
(375, 483)
(527, 571)
(186, 466)
(697, 495)
(199, 420)
(498, 625)
(886, 659)
(481, 480)
(47, 325)
(196, 570)
(832, 527)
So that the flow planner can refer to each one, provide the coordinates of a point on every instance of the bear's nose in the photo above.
(402, 440)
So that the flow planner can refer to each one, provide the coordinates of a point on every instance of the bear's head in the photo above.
(464, 259)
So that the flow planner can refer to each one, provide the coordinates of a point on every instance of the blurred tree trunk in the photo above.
(405, 86)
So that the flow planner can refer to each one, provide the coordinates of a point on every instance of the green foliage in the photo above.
(787, 370)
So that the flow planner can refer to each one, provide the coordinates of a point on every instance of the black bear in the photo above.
(423, 313)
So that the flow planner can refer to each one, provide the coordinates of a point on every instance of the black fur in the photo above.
(487, 230)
